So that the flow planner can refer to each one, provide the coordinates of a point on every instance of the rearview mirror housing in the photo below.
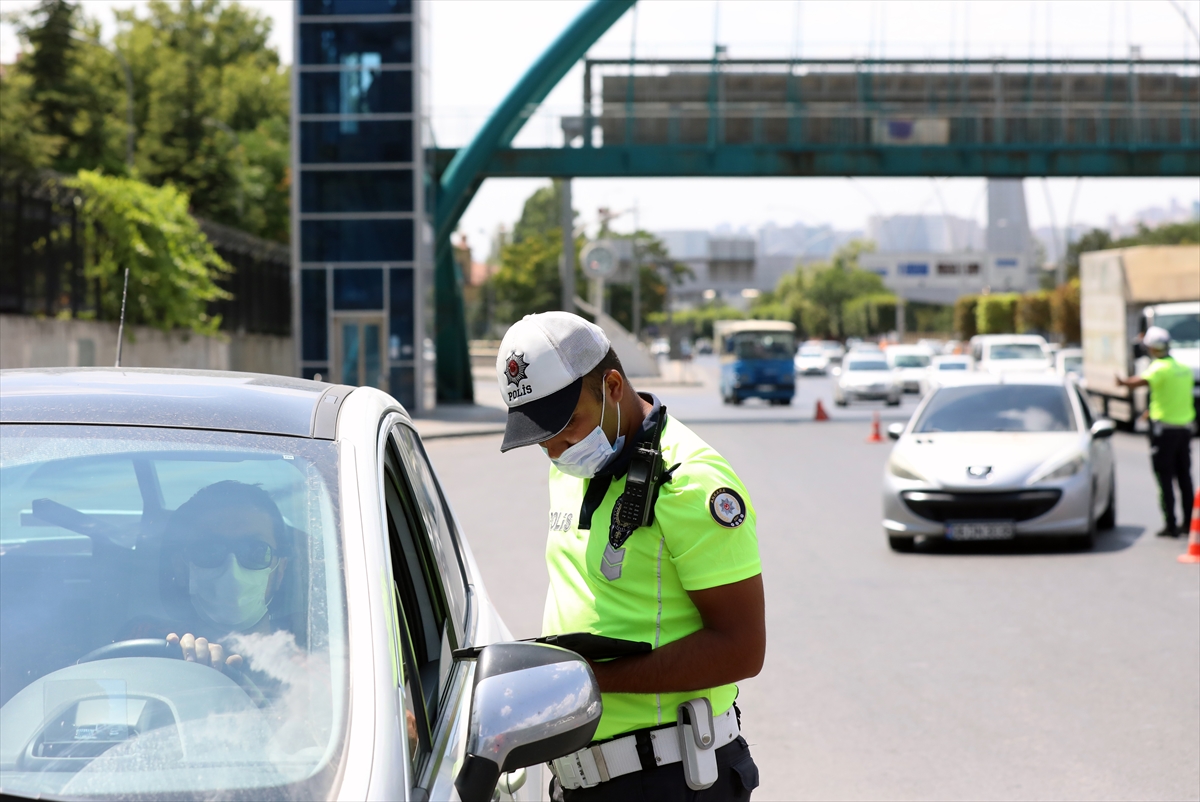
(1103, 428)
(894, 430)
(531, 703)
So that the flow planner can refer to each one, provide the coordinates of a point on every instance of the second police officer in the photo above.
(651, 540)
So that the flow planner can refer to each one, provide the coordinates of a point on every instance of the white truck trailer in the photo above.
(1123, 292)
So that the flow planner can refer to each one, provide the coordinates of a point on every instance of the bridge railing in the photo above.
(791, 103)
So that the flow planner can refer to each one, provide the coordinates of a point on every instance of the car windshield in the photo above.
(761, 345)
(811, 350)
(952, 366)
(1017, 351)
(1184, 329)
(112, 539)
(911, 360)
(998, 408)
(867, 364)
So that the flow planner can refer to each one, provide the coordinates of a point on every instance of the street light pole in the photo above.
(129, 130)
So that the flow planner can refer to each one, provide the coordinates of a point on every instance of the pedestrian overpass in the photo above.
(675, 118)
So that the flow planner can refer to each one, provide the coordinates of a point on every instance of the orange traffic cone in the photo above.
(875, 437)
(820, 413)
(1192, 555)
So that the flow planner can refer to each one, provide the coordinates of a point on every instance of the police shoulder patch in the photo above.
(727, 507)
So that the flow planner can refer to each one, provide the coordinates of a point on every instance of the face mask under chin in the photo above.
(230, 595)
(589, 456)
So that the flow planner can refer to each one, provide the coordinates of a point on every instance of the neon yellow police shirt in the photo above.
(703, 536)
(1170, 392)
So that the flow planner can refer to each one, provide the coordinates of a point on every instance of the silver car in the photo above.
(866, 376)
(218, 585)
(998, 457)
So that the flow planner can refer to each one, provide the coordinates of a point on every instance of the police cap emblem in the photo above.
(515, 367)
(727, 507)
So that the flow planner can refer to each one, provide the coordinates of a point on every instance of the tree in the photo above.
(211, 103)
(24, 144)
(172, 266)
(964, 316)
(1098, 240)
(76, 89)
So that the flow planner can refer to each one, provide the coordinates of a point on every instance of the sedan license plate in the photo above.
(766, 388)
(980, 530)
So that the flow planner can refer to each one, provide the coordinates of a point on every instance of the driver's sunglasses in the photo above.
(211, 552)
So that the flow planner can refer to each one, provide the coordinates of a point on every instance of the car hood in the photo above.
(820, 359)
(943, 457)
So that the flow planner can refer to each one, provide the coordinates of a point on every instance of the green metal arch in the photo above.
(464, 174)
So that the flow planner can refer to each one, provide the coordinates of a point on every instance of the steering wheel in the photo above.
(140, 647)
(160, 647)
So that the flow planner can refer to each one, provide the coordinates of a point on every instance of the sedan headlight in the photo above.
(1059, 469)
(899, 466)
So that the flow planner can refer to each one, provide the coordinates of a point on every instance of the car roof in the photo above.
(188, 399)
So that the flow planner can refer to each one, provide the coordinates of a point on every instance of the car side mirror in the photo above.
(1103, 428)
(894, 430)
(531, 703)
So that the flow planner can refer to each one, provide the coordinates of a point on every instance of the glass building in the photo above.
(361, 235)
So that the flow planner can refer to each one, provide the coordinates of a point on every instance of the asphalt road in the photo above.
(992, 672)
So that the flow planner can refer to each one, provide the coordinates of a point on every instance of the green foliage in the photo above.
(817, 298)
(1064, 312)
(996, 313)
(171, 264)
(870, 314)
(542, 213)
(211, 110)
(930, 318)
(24, 144)
(700, 320)
(1033, 312)
(964, 316)
(528, 280)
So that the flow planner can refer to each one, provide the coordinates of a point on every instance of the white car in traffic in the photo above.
(946, 368)
(999, 457)
(1069, 362)
(865, 376)
(1007, 353)
(811, 360)
(910, 363)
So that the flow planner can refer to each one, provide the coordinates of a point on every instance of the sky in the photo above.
(480, 48)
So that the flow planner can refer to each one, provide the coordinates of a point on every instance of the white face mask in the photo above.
(229, 594)
(585, 459)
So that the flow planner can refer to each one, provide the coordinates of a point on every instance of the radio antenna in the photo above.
(121, 325)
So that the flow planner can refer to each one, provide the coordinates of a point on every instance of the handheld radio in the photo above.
(643, 479)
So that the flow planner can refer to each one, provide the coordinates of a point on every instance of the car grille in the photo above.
(1018, 506)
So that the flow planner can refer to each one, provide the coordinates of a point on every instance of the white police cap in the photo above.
(541, 364)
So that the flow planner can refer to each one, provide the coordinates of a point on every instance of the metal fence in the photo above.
(42, 263)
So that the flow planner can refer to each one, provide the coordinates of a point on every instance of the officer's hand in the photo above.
(199, 650)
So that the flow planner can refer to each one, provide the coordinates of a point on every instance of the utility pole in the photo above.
(567, 222)
(636, 279)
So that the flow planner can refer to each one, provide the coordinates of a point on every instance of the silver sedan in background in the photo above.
(865, 376)
(998, 457)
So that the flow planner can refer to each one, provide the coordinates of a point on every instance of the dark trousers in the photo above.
(737, 776)
(1170, 454)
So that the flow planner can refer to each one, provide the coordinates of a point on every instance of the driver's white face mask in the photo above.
(585, 459)
(229, 594)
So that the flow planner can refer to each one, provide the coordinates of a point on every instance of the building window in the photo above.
(973, 269)
(352, 7)
(1006, 263)
(356, 241)
(360, 91)
(365, 191)
(336, 43)
(401, 331)
(913, 269)
(370, 141)
(358, 288)
(314, 341)
(316, 372)
(947, 269)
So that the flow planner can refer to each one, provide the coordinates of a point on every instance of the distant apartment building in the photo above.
(942, 277)
(723, 268)
(924, 232)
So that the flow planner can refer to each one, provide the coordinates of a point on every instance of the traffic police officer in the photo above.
(685, 579)
(1172, 411)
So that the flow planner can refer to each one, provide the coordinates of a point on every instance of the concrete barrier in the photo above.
(29, 342)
